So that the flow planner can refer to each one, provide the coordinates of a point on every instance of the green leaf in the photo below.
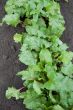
(57, 107)
(27, 57)
(18, 38)
(49, 85)
(70, 100)
(57, 82)
(45, 56)
(63, 98)
(33, 42)
(12, 92)
(34, 101)
(37, 87)
(12, 19)
(67, 69)
(55, 22)
(32, 30)
(52, 97)
(51, 73)
(45, 43)
(66, 57)
(28, 74)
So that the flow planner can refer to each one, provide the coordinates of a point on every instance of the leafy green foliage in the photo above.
(45, 56)
(12, 19)
(57, 107)
(27, 57)
(34, 101)
(49, 74)
(18, 38)
(12, 92)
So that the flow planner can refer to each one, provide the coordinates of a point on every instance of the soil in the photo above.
(9, 64)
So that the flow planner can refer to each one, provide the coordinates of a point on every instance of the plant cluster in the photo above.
(48, 77)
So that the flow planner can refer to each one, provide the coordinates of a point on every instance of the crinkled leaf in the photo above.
(27, 57)
(34, 101)
(12, 19)
(67, 69)
(66, 57)
(12, 92)
(18, 38)
(33, 42)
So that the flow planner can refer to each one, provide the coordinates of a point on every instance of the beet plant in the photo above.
(48, 78)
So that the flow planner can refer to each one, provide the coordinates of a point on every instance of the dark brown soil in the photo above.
(9, 64)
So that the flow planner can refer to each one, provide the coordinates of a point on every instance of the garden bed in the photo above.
(9, 64)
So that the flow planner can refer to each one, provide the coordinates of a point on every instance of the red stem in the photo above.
(21, 88)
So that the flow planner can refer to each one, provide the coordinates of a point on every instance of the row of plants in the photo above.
(48, 78)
